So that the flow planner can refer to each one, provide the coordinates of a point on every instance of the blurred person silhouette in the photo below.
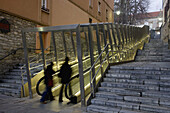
(47, 94)
(65, 74)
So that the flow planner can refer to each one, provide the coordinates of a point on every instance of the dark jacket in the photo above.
(65, 73)
(48, 76)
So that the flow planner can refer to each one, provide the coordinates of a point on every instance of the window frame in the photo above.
(91, 3)
(99, 7)
(44, 6)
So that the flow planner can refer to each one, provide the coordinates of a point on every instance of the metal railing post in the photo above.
(122, 35)
(113, 34)
(72, 41)
(110, 40)
(105, 41)
(81, 77)
(55, 50)
(119, 41)
(85, 34)
(98, 46)
(64, 42)
(27, 64)
(42, 49)
(91, 54)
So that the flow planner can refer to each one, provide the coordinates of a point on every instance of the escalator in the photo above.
(71, 97)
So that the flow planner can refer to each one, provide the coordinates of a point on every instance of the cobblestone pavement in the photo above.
(25, 105)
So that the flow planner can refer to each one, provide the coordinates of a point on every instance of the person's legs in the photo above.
(70, 90)
(43, 98)
(61, 94)
(50, 94)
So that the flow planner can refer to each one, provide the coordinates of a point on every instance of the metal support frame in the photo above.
(55, 50)
(42, 49)
(90, 37)
(99, 46)
(105, 40)
(110, 40)
(125, 34)
(118, 35)
(72, 41)
(64, 42)
(27, 64)
(85, 34)
(80, 62)
(122, 34)
(113, 34)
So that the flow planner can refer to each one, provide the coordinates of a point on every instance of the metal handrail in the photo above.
(92, 79)
(22, 73)
(10, 53)
(14, 52)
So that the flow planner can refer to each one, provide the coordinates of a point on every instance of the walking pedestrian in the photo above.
(65, 74)
(49, 84)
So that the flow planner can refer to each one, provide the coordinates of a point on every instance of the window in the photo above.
(44, 5)
(106, 15)
(99, 8)
(91, 3)
(90, 20)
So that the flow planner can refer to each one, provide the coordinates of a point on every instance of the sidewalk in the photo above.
(10, 104)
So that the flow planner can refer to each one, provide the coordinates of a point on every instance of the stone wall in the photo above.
(165, 32)
(13, 40)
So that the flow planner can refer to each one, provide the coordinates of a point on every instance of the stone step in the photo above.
(154, 109)
(10, 81)
(18, 73)
(12, 77)
(160, 83)
(139, 76)
(136, 67)
(103, 109)
(109, 95)
(158, 48)
(114, 103)
(10, 92)
(155, 45)
(129, 105)
(131, 92)
(139, 72)
(120, 91)
(133, 76)
(138, 87)
(134, 99)
(11, 85)
(149, 53)
(152, 59)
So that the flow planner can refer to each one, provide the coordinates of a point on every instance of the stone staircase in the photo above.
(155, 51)
(142, 86)
(11, 82)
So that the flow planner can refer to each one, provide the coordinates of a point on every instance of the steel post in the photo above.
(27, 64)
(42, 50)
(80, 63)
(90, 37)
(55, 50)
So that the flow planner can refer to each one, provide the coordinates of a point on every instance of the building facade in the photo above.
(18, 14)
(152, 19)
(165, 30)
